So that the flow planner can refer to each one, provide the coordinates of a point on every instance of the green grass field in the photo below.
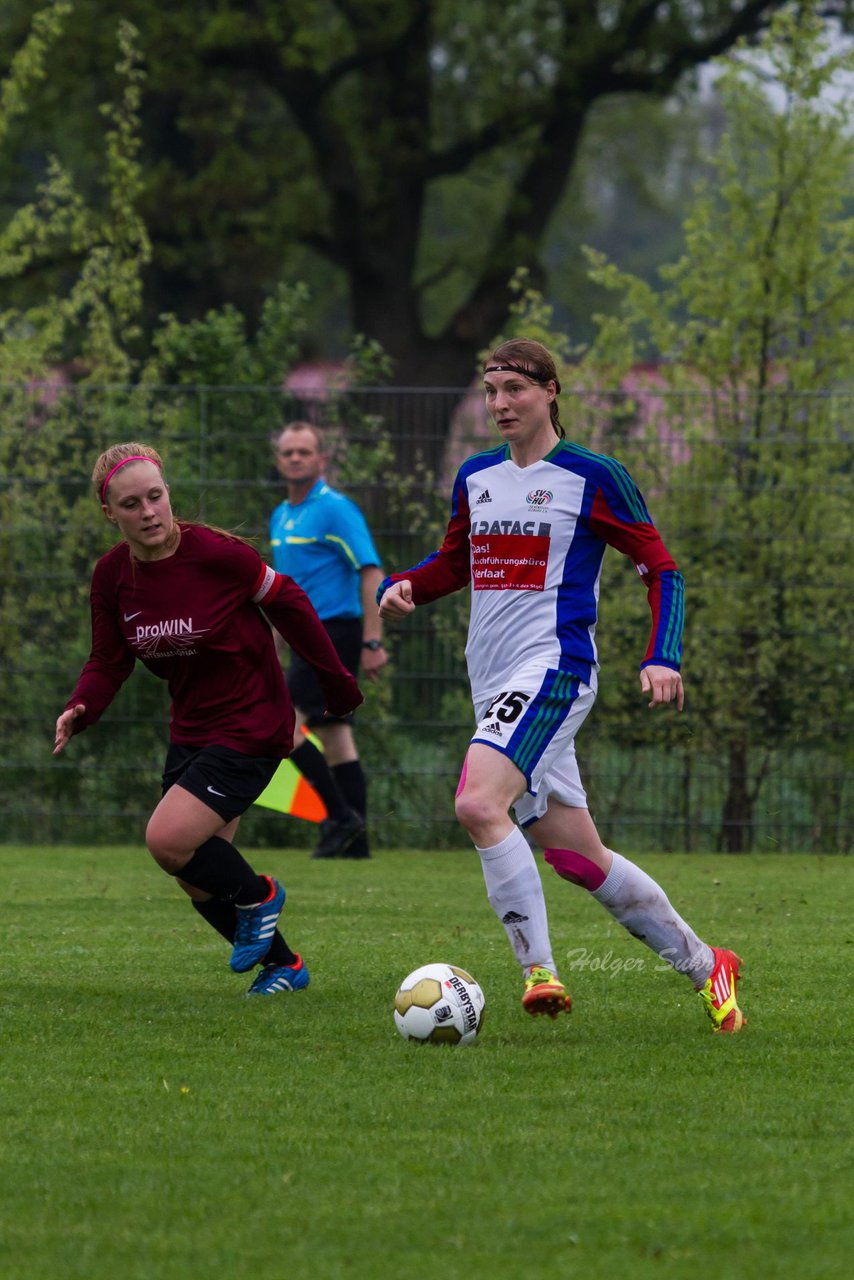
(156, 1125)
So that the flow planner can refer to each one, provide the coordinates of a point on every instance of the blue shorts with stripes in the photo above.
(534, 724)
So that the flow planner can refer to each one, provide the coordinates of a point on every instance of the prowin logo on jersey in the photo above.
(175, 634)
(484, 497)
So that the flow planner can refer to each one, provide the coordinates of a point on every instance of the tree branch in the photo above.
(460, 154)
(688, 53)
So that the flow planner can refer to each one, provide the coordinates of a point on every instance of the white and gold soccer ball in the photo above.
(439, 1004)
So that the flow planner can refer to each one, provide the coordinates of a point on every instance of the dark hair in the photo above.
(276, 437)
(524, 355)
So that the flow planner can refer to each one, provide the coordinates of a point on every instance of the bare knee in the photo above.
(163, 849)
(478, 813)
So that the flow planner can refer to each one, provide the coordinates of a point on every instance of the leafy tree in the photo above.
(51, 431)
(410, 145)
(97, 316)
(758, 315)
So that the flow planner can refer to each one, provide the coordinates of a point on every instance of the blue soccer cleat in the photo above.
(253, 934)
(274, 978)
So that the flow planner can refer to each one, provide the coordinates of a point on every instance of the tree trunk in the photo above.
(737, 817)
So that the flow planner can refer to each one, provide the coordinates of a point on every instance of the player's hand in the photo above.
(373, 660)
(65, 727)
(397, 600)
(664, 685)
(343, 699)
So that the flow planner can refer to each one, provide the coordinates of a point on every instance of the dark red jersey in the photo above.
(195, 620)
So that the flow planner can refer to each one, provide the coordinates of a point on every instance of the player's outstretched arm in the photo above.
(65, 727)
(663, 684)
(397, 600)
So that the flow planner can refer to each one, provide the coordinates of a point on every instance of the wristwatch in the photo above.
(373, 645)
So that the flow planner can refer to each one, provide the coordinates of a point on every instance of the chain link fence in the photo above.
(753, 495)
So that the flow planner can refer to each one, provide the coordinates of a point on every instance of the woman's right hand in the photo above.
(64, 726)
(397, 600)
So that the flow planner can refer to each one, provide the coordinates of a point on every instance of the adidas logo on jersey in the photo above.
(492, 728)
(484, 497)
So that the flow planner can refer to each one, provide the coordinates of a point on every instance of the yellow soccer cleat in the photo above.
(718, 994)
(545, 993)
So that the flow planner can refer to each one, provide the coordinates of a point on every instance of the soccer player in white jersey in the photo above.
(529, 525)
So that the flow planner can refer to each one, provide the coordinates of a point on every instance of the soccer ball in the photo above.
(439, 1004)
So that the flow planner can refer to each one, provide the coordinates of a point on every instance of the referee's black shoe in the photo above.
(337, 835)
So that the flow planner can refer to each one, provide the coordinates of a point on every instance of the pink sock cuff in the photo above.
(575, 867)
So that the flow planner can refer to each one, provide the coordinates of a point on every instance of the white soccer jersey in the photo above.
(531, 541)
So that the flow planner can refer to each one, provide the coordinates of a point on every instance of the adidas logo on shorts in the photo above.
(493, 728)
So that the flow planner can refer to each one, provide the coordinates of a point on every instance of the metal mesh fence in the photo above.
(753, 495)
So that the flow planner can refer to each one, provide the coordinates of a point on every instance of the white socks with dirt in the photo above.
(633, 898)
(640, 905)
(515, 893)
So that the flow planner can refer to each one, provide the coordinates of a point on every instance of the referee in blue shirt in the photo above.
(320, 539)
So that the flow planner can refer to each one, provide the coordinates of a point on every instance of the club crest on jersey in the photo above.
(539, 497)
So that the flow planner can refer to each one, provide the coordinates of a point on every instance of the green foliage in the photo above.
(761, 295)
(272, 133)
(751, 472)
(758, 309)
(531, 316)
(215, 441)
(27, 66)
(739, 460)
(218, 350)
(97, 319)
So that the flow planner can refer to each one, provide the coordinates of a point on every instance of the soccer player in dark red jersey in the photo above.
(194, 604)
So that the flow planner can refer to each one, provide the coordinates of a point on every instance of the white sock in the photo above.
(641, 906)
(515, 893)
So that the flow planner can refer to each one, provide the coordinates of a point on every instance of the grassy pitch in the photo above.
(158, 1126)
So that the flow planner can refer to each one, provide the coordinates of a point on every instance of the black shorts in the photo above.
(226, 781)
(303, 686)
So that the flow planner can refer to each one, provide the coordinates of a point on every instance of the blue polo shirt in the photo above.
(322, 543)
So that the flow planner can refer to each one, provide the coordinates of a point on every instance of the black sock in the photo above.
(352, 783)
(222, 871)
(220, 916)
(313, 767)
(350, 780)
(280, 953)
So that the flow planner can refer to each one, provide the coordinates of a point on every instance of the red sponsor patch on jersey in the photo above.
(509, 562)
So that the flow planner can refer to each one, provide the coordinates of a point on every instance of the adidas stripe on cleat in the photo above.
(274, 978)
(719, 996)
(545, 993)
(253, 933)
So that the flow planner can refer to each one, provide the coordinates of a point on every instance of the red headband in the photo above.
(136, 457)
